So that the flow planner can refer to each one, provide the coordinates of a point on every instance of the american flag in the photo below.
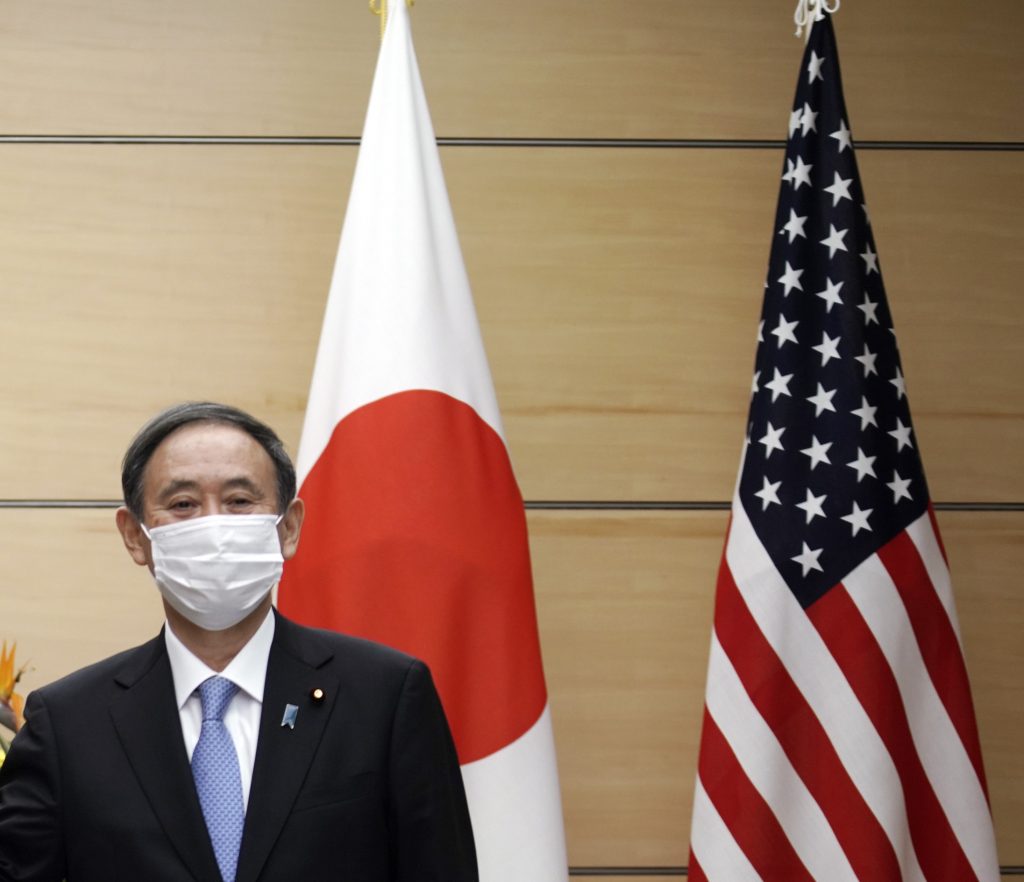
(839, 739)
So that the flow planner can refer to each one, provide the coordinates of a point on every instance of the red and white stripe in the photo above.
(839, 741)
(415, 532)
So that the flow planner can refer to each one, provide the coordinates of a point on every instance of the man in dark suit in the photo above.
(341, 763)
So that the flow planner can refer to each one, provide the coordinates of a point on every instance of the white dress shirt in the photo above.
(248, 671)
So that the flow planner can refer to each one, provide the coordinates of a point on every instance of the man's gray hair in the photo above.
(163, 424)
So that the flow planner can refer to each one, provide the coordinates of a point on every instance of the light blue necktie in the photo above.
(217, 777)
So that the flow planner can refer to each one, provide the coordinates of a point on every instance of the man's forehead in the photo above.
(206, 433)
(199, 449)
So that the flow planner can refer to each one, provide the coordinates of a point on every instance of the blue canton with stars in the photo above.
(832, 470)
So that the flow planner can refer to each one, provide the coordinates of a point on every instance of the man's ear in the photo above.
(134, 539)
(290, 527)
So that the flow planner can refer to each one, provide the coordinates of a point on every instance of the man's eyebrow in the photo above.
(243, 483)
(177, 486)
(239, 483)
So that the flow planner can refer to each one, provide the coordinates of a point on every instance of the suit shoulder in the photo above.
(98, 676)
(347, 649)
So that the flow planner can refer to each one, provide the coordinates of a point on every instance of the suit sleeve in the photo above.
(31, 844)
(431, 832)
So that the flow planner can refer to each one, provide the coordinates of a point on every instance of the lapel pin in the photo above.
(317, 695)
(291, 711)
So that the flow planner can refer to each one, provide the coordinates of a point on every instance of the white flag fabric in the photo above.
(415, 533)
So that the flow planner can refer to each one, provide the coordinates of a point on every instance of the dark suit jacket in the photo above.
(365, 788)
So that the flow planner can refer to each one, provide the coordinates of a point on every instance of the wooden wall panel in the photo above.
(135, 277)
(603, 877)
(581, 68)
(625, 605)
(623, 338)
(618, 292)
(986, 553)
(69, 593)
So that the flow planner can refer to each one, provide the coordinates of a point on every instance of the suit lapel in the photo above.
(284, 754)
(147, 722)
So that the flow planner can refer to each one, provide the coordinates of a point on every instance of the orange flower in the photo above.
(12, 705)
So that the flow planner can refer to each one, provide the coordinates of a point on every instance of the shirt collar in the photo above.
(247, 670)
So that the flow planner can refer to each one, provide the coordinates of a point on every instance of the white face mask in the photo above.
(216, 570)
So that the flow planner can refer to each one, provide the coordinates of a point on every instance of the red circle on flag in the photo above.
(415, 536)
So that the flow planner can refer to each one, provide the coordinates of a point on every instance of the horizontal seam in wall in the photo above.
(540, 505)
(682, 871)
(610, 505)
(606, 143)
(628, 871)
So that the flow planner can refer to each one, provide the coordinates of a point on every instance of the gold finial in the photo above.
(380, 8)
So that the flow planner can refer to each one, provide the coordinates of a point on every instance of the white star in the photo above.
(858, 519)
(771, 440)
(870, 260)
(807, 120)
(817, 452)
(831, 294)
(794, 226)
(779, 385)
(902, 435)
(870, 310)
(812, 505)
(785, 331)
(760, 327)
(800, 174)
(842, 136)
(840, 189)
(753, 384)
(835, 241)
(808, 559)
(769, 493)
(814, 68)
(866, 413)
(794, 120)
(864, 465)
(899, 487)
(828, 347)
(791, 279)
(898, 382)
(822, 400)
(787, 175)
(868, 360)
